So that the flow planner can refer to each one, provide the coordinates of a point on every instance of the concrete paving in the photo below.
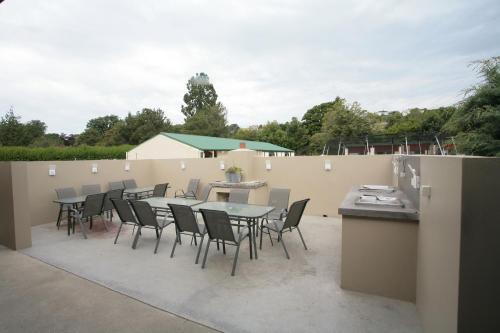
(271, 294)
(36, 297)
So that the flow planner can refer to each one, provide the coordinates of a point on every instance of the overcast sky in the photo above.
(67, 61)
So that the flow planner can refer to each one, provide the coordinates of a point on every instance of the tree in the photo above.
(142, 126)
(96, 129)
(48, 140)
(15, 133)
(209, 121)
(200, 95)
(477, 118)
(313, 118)
(344, 120)
(297, 137)
(250, 133)
(272, 133)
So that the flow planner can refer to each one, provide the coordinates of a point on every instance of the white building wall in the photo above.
(162, 147)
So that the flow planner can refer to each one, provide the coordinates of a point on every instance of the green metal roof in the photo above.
(213, 143)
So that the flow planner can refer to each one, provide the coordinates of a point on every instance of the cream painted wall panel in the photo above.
(41, 186)
(307, 178)
(304, 175)
(439, 243)
(7, 234)
(161, 147)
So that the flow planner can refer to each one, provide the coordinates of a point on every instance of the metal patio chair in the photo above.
(279, 199)
(147, 219)
(91, 189)
(219, 227)
(187, 224)
(116, 185)
(160, 190)
(63, 193)
(190, 192)
(125, 214)
(92, 207)
(129, 183)
(205, 193)
(239, 195)
(291, 222)
(107, 207)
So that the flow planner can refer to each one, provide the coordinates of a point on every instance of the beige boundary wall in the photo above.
(32, 189)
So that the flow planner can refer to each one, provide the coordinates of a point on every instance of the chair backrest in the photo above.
(159, 190)
(91, 189)
(184, 218)
(238, 195)
(192, 186)
(66, 192)
(295, 213)
(205, 193)
(144, 213)
(116, 185)
(279, 198)
(112, 194)
(93, 205)
(129, 183)
(124, 210)
(218, 224)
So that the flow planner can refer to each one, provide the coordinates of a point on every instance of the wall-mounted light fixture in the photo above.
(221, 165)
(127, 166)
(268, 164)
(328, 165)
(94, 168)
(183, 165)
(52, 170)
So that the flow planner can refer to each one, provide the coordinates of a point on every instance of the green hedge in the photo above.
(63, 153)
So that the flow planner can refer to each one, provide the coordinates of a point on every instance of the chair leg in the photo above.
(270, 238)
(261, 234)
(280, 237)
(173, 247)
(59, 218)
(302, 238)
(223, 246)
(83, 229)
(206, 252)
(136, 238)
(133, 230)
(236, 257)
(158, 241)
(118, 233)
(199, 249)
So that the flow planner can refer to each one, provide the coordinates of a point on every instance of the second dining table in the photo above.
(249, 213)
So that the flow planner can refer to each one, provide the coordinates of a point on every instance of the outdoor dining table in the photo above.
(138, 191)
(71, 202)
(247, 212)
(162, 202)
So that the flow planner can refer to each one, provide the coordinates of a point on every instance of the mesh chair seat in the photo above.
(275, 225)
(291, 222)
(219, 228)
(146, 218)
(92, 207)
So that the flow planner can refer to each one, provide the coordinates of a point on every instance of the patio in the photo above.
(266, 295)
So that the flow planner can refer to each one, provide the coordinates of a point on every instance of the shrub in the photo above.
(63, 153)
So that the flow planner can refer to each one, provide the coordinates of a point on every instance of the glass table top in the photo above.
(236, 209)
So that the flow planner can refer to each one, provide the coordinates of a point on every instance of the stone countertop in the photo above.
(248, 184)
(349, 208)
